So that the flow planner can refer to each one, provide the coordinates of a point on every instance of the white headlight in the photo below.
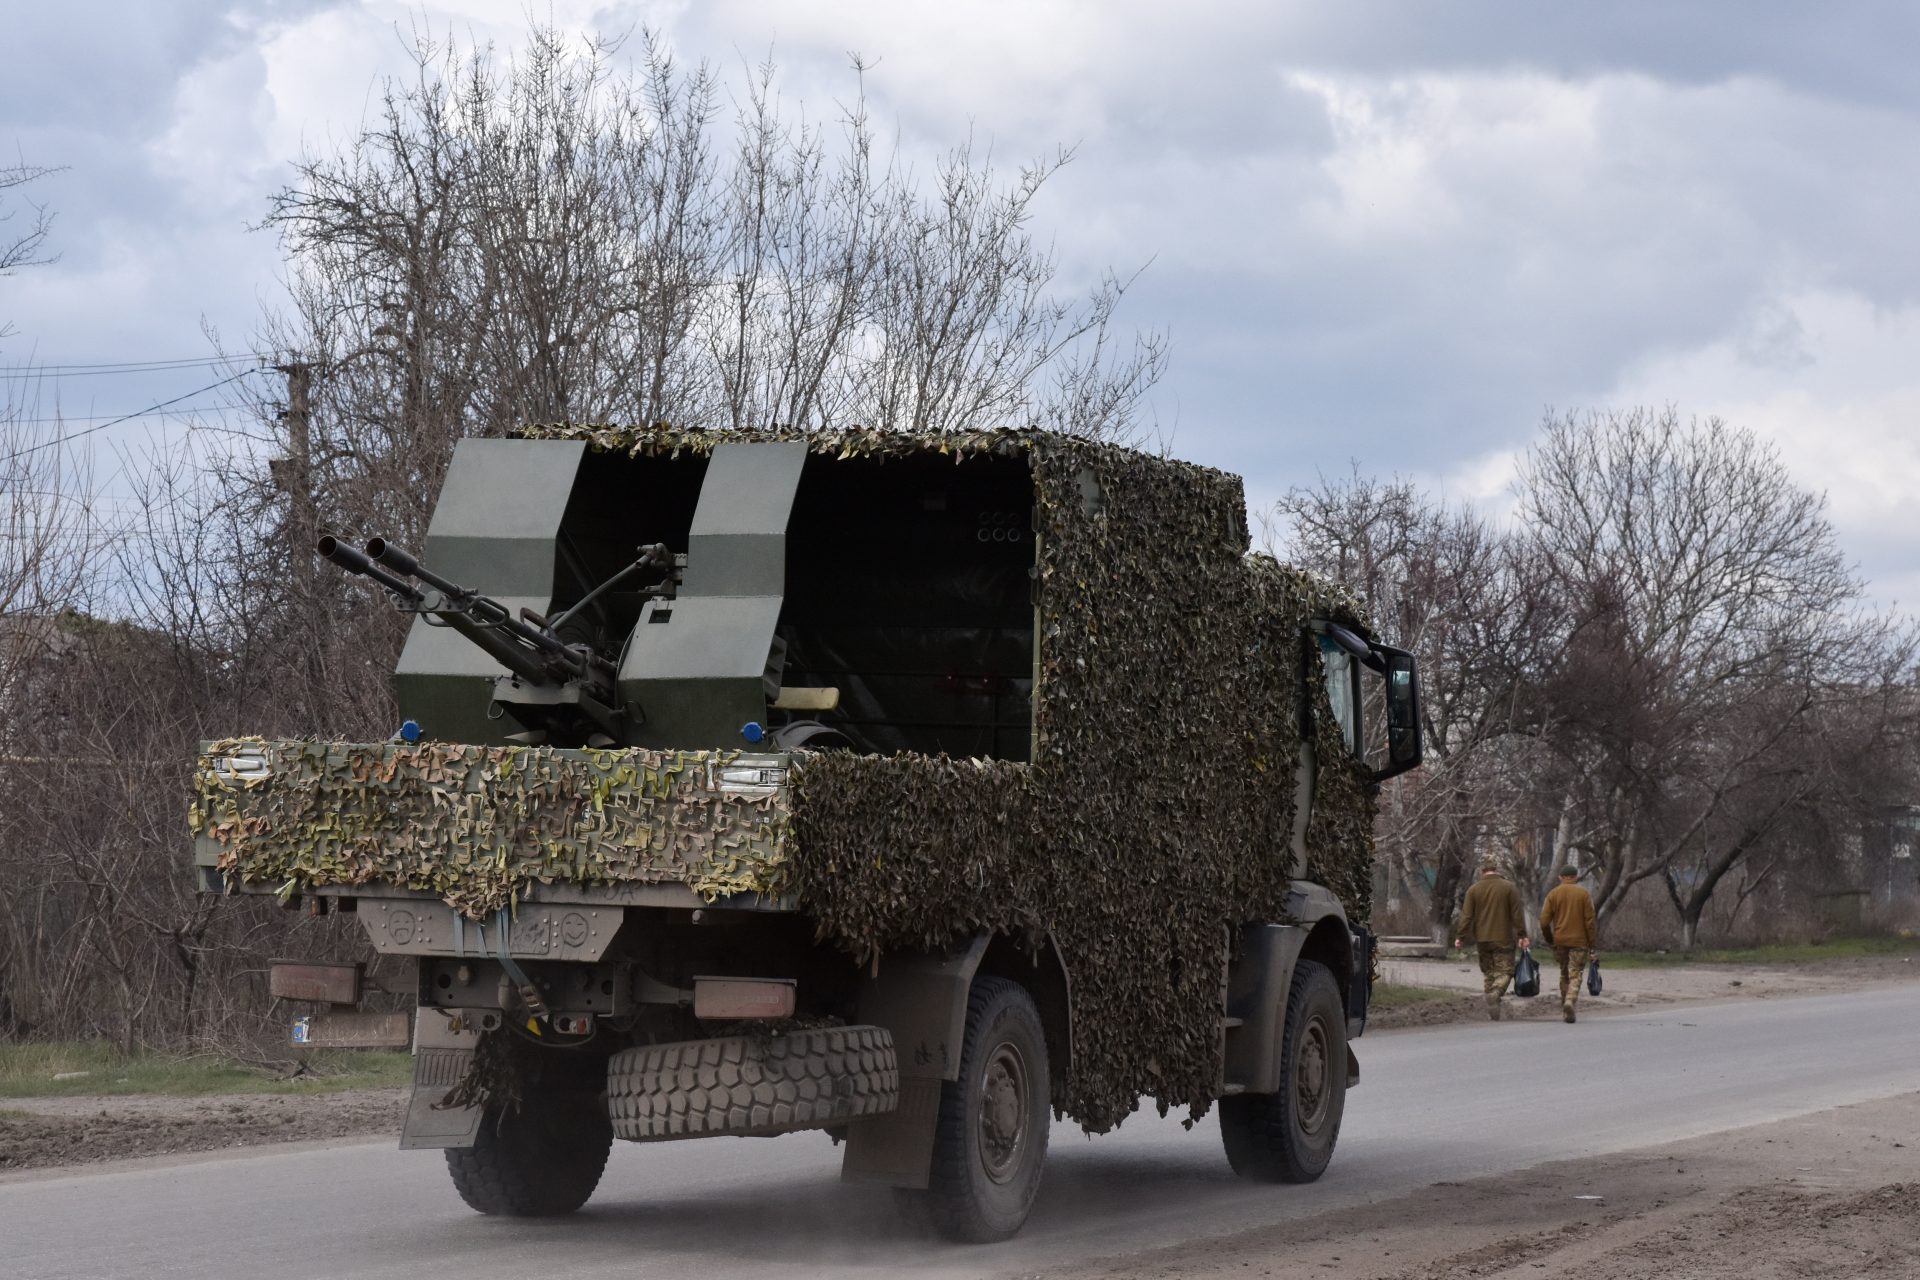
(750, 779)
(241, 766)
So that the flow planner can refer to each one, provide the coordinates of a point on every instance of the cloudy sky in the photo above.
(1386, 232)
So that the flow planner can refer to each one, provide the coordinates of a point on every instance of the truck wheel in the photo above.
(991, 1140)
(541, 1160)
(755, 1086)
(1289, 1136)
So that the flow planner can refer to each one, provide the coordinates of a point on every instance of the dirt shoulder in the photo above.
(1836, 1193)
(39, 1133)
(1631, 988)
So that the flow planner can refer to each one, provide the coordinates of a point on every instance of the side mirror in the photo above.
(1403, 710)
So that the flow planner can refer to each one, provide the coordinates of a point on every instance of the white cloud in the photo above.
(1843, 410)
(1385, 232)
(214, 144)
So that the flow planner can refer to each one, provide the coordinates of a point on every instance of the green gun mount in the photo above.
(555, 681)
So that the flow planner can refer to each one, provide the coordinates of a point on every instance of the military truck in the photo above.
(909, 788)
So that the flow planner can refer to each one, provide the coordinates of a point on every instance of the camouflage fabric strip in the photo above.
(476, 825)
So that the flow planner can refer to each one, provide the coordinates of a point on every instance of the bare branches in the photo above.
(1447, 584)
(21, 242)
(1705, 609)
(118, 654)
(553, 238)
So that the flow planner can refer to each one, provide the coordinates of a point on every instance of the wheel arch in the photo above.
(1329, 942)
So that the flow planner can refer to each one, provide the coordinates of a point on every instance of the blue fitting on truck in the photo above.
(753, 731)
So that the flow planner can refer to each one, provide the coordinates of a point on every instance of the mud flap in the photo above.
(1353, 1068)
(441, 1055)
(896, 1149)
(922, 1001)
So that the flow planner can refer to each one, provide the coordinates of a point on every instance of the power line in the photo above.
(75, 435)
(83, 499)
(109, 417)
(126, 366)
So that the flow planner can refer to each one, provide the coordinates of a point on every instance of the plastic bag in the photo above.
(1593, 976)
(1526, 975)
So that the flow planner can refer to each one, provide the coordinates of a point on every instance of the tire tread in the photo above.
(752, 1087)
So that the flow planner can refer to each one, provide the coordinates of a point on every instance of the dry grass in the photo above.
(92, 1067)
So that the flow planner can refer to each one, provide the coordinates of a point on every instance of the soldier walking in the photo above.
(1493, 917)
(1567, 921)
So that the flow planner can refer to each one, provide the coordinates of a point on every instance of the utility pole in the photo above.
(295, 475)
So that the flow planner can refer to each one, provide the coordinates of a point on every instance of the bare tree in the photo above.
(555, 239)
(1706, 613)
(1663, 669)
(151, 640)
(46, 546)
(1807, 805)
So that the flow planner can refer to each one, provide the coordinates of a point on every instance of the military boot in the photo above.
(1493, 1007)
(1566, 1011)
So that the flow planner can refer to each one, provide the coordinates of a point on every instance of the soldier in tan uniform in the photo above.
(1493, 917)
(1567, 921)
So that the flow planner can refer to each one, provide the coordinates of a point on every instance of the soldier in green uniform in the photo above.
(1493, 917)
(1568, 922)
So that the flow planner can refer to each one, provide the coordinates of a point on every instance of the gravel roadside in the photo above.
(1630, 988)
(39, 1133)
(1835, 1193)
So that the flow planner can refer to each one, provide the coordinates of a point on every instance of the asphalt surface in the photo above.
(1433, 1105)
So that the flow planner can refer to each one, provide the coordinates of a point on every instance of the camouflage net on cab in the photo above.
(1157, 814)
(1154, 819)
(476, 825)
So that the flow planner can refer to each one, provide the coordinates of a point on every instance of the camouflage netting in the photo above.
(1157, 812)
(1154, 819)
(478, 824)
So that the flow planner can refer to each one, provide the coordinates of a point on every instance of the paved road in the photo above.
(1434, 1105)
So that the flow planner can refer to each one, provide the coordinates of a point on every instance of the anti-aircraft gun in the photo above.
(562, 690)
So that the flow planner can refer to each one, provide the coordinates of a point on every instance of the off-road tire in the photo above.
(1289, 1136)
(752, 1086)
(979, 1192)
(541, 1160)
